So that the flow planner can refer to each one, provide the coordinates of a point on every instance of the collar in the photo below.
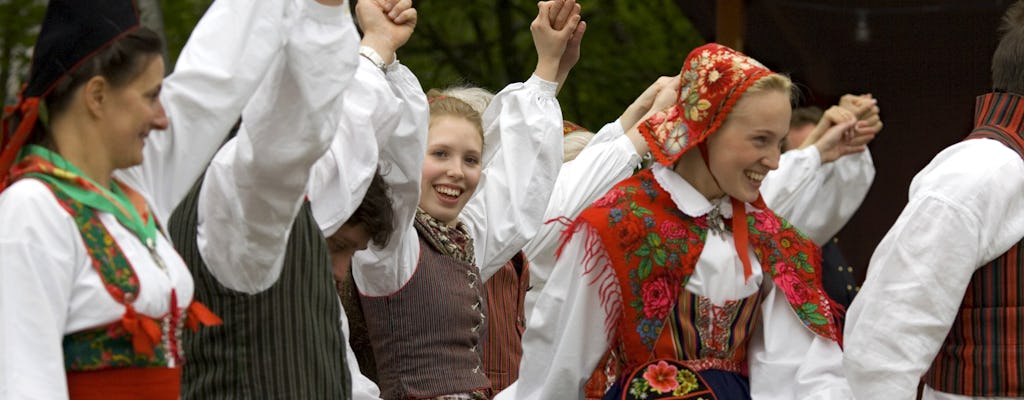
(1000, 109)
(686, 197)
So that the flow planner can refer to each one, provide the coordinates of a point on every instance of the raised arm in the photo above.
(523, 152)
(256, 184)
(218, 70)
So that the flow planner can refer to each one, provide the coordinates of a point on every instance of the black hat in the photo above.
(72, 32)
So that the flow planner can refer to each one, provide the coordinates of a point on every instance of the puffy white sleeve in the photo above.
(371, 111)
(218, 70)
(819, 199)
(256, 184)
(522, 156)
(580, 181)
(609, 132)
(41, 249)
(567, 334)
(965, 209)
(789, 362)
(378, 270)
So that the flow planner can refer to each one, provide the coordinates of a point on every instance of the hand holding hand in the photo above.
(833, 136)
(551, 43)
(661, 95)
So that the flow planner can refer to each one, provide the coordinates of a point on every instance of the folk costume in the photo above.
(390, 105)
(94, 297)
(651, 270)
(256, 253)
(423, 294)
(942, 296)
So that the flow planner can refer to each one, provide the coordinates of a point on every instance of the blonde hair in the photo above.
(775, 81)
(573, 144)
(451, 106)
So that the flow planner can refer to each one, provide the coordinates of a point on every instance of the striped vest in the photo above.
(983, 354)
(426, 336)
(282, 343)
(506, 322)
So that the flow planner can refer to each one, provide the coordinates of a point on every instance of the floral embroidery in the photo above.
(766, 222)
(666, 379)
(653, 262)
(661, 377)
(658, 298)
(713, 76)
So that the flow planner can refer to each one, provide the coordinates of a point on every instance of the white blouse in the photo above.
(819, 199)
(580, 182)
(48, 287)
(522, 133)
(256, 183)
(966, 208)
(565, 336)
(383, 114)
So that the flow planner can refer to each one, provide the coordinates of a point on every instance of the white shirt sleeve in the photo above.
(255, 185)
(819, 199)
(789, 362)
(379, 271)
(218, 70)
(579, 183)
(566, 336)
(522, 156)
(965, 209)
(372, 109)
(39, 243)
(609, 132)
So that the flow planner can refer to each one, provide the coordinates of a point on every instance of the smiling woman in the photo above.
(95, 298)
(697, 285)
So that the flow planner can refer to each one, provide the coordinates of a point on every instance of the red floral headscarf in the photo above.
(570, 127)
(714, 77)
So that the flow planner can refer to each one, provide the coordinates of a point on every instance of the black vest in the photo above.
(282, 343)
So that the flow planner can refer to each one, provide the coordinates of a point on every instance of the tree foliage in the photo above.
(487, 43)
(627, 46)
(19, 25)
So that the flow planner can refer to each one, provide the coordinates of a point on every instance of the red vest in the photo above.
(653, 248)
(983, 354)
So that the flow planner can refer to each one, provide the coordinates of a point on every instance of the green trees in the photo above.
(628, 44)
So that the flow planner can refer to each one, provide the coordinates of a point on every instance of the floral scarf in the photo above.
(453, 241)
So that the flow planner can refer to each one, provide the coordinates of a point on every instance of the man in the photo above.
(942, 298)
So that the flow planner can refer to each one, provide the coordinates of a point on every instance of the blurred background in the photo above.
(924, 60)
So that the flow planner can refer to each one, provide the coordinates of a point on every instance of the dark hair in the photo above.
(1008, 59)
(120, 63)
(376, 214)
(805, 115)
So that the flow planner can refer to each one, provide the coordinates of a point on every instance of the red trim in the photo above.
(125, 384)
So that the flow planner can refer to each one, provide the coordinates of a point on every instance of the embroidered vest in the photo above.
(983, 354)
(112, 345)
(653, 248)
(282, 343)
(427, 335)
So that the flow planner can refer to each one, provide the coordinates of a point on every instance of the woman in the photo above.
(94, 297)
(694, 302)
(462, 212)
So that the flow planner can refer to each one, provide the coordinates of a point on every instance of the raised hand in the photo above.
(834, 134)
(551, 43)
(645, 102)
(386, 24)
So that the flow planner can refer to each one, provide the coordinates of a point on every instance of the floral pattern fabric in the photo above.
(654, 248)
(666, 379)
(714, 77)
